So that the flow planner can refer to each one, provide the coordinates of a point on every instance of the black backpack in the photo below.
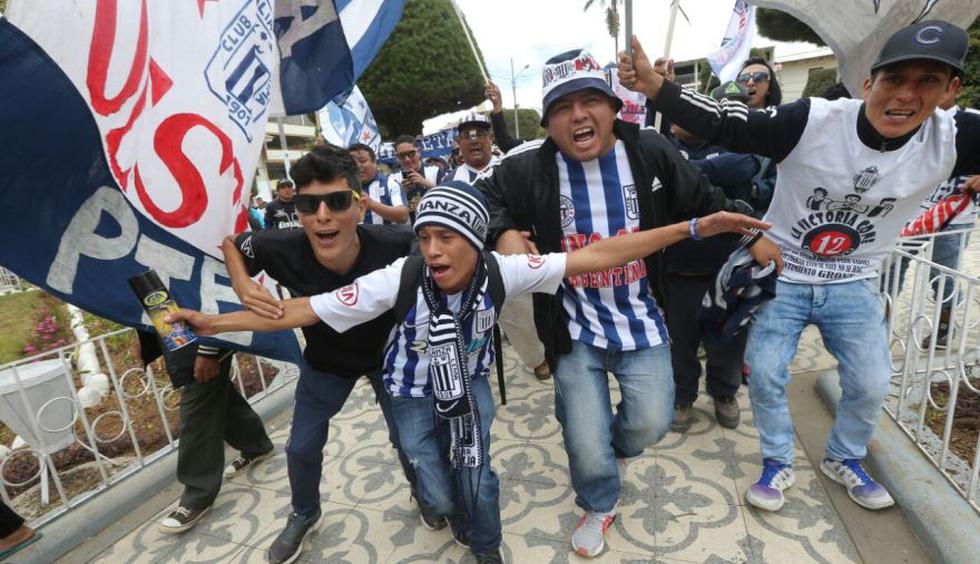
(408, 287)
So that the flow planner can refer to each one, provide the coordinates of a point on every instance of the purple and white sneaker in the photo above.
(864, 491)
(767, 492)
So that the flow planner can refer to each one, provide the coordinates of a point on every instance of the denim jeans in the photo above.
(595, 436)
(850, 317)
(470, 497)
(320, 396)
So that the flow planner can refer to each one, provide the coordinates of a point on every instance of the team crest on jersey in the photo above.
(865, 179)
(484, 320)
(535, 261)
(236, 73)
(566, 209)
(348, 295)
(632, 204)
(246, 248)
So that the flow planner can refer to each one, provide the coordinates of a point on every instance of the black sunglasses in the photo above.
(757, 76)
(336, 201)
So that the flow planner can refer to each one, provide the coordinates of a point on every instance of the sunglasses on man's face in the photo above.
(336, 201)
(757, 76)
(407, 154)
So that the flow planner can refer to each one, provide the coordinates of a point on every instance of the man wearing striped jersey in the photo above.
(385, 201)
(850, 174)
(475, 139)
(438, 358)
(517, 322)
(413, 178)
(593, 179)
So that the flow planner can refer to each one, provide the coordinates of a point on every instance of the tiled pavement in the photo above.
(681, 502)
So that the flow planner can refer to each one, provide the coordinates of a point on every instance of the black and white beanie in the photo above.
(458, 206)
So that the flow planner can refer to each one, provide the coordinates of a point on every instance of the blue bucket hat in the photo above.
(569, 72)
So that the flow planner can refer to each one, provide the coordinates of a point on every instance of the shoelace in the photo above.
(594, 521)
(854, 474)
(183, 511)
(770, 470)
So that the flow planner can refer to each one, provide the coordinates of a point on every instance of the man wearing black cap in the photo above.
(893, 149)
(594, 178)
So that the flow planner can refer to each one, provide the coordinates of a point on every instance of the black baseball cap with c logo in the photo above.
(933, 40)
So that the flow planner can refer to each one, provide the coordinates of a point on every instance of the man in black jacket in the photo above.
(596, 177)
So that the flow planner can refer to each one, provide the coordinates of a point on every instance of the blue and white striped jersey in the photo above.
(406, 363)
(614, 309)
(466, 173)
(385, 190)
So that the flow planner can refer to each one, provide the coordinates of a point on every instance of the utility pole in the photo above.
(513, 88)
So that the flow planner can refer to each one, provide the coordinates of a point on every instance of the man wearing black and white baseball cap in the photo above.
(597, 177)
(871, 162)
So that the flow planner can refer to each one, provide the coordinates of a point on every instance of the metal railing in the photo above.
(9, 282)
(934, 329)
(81, 452)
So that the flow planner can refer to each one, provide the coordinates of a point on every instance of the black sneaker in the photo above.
(292, 540)
(181, 519)
(490, 558)
(727, 413)
(242, 462)
(431, 521)
(459, 537)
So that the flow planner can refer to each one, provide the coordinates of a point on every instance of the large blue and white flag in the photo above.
(129, 134)
(857, 29)
(325, 46)
(736, 44)
(349, 120)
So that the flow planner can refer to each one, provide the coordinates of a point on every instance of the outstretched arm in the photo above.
(617, 251)
(296, 312)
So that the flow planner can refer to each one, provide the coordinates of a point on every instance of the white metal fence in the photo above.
(9, 282)
(935, 387)
(72, 453)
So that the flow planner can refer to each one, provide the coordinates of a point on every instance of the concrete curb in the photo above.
(943, 521)
(136, 493)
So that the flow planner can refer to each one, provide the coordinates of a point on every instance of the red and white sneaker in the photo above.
(587, 540)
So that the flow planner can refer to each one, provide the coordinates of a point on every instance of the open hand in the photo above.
(728, 222)
(257, 299)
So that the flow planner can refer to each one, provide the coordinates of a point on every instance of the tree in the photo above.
(971, 82)
(781, 26)
(612, 17)
(426, 68)
(530, 121)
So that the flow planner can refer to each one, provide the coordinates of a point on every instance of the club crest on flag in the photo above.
(236, 74)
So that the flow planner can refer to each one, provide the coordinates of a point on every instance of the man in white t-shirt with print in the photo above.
(438, 358)
(872, 162)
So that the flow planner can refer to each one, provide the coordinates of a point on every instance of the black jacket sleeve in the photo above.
(249, 244)
(771, 133)
(967, 143)
(493, 187)
(501, 135)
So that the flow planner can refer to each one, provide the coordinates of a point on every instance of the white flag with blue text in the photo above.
(857, 29)
(736, 45)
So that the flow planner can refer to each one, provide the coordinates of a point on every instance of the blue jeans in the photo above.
(319, 396)
(595, 436)
(425, 438)
(850, 317)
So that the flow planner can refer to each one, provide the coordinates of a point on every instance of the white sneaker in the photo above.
(587, 540)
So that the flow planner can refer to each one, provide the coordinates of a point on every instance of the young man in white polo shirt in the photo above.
(438, 357)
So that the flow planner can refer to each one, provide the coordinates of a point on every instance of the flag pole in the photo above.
(674, 5)
(469, 39)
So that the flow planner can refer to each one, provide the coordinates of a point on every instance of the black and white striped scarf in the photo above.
(449, 366)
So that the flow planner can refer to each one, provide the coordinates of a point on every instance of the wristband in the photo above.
(693, 228)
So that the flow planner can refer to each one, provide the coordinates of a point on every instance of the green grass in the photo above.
(17, 317)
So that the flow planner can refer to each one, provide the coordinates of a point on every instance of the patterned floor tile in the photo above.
(531, 418)
(517, 548)
(274, 515)
(535, 462)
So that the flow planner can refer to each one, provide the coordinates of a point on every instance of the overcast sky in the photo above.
(531, 31)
